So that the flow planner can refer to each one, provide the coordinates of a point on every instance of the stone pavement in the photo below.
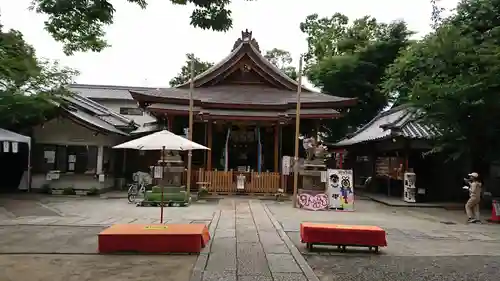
(57, 211)
(252, 239)
(247, 247)
(409, 233)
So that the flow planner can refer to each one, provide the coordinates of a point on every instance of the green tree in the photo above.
(349, 59)
(79, 24)
(28, 86)
(185, 74)
(283, 60)
(452, 75)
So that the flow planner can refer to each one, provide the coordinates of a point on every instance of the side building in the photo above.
(74, 149)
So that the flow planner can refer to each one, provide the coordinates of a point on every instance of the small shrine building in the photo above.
(244, 111)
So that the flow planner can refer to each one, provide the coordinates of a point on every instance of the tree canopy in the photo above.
(283, 60)
(349, 59)
(184, 74)
(452, 75)
(79, 24)
(28, 85)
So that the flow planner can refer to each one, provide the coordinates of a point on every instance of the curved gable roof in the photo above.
(246, 46)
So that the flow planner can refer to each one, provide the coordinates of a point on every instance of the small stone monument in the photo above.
(173, 167)
(314, 165)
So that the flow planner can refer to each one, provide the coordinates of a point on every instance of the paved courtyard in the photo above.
(252, 240)
(421, 246)
(57, 238)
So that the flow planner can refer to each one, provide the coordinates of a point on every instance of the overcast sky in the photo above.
(149, 46)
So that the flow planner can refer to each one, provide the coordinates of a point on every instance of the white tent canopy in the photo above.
(6, 135)
(161, 140)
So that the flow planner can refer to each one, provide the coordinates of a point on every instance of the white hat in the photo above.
(474, 175)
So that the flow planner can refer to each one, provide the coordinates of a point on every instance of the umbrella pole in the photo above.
(162, 182)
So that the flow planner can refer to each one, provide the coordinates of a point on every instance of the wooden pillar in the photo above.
(317, 125)
(170, 123)
(276, 148)
(209, 145)
(341, 159)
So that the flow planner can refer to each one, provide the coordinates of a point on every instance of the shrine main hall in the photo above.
(244, 111)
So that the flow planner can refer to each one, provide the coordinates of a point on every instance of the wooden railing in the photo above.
(225, 182)
(217, 181)
(266, 182)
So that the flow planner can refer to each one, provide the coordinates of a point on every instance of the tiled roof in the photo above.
(241, 94)
(106, 91)
(248, 47)
(96, 115)
(398, 121)
(246, 112)
(146, 128)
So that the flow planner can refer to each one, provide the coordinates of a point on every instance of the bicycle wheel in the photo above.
(131, 197)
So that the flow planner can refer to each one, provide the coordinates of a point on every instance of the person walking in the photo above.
(472, 205)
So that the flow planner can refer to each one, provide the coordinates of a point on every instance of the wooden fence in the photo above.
(224, 182)
(266, 182)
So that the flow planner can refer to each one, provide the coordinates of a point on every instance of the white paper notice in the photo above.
(71, 166)
(285, 169)
(15, 147)
(157, 172)
(323, 176)
(6, 146)
(71, 158)
(50, 156)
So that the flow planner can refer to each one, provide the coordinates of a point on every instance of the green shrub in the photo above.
(69, 191)
(93, 191)
(45, 188)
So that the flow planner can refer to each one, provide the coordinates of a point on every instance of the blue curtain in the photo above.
(226, 151)
(259, 151)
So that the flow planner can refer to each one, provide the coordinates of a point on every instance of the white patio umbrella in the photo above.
(163, 140)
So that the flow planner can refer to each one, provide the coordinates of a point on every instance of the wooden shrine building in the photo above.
(244, 111)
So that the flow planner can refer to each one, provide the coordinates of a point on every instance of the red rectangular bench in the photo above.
(342, 236)
(153, 238)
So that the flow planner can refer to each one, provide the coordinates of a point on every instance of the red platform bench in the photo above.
(153, 238)
(342, 236)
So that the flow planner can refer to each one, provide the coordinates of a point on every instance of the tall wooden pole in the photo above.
(162, 182)
(297, 134)
(190, 130)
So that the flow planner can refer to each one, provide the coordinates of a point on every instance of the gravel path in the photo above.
(95, 267)
(384, 268)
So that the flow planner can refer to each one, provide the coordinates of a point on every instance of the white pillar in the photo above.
(100, 157)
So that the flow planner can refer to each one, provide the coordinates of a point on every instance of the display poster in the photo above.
(312, 200)
(340, 189)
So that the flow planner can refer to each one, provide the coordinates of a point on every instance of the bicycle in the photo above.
(134, 189)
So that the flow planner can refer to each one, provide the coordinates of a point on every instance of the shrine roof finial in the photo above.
(246, 37)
